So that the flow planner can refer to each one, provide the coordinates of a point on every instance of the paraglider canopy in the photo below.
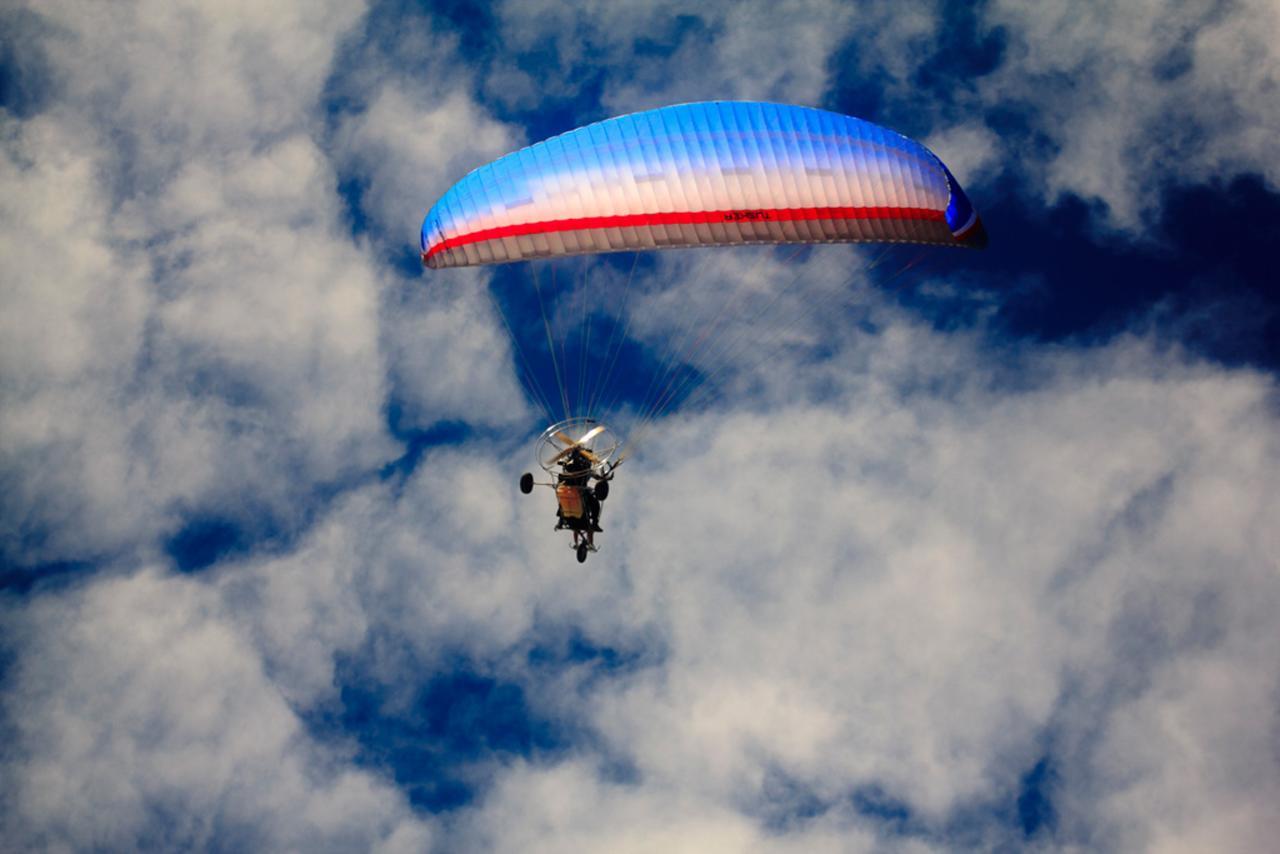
(705, 174)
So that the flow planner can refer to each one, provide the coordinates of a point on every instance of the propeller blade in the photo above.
(591, 434)
(564, 440)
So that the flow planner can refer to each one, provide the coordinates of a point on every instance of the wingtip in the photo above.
(975, 236)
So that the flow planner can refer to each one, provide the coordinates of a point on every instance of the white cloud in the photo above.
(449, 355)
(136, 699)
(971, 151)
(569, 808)
(189, 320)
(908, 603)
(169, 80)
(412, 147)
(189, 327)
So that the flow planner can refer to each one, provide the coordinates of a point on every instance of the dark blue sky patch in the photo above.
(1176, 40)
(27, 78)
(441, 748)
(965, 50)
(574, 86)
(419, 441)
(940, 90)
(34, 553)
(351, 190)
(1023, 810)
(677, 32)
(650, 60)
(391, 38)
(407, 259)
(1036, 812)
(560, 650)
(242, 525)
(941, 85)
(17, 578)
(472, 24)
(892, 815)
(205, 540)
(1202, 277)
(1223, 235)
(553, 113)
(1175, 62)
(470, 716)
(583, 76)
(567, 647)
(786, 803)
(565, 664)
(856, 90)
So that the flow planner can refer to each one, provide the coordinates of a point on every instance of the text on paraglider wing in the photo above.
(747, 216)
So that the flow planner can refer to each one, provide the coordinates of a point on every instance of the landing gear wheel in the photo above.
(526, 483)
(582, 553)
(602, 490)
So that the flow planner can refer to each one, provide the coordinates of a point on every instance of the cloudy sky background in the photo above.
(995, 565)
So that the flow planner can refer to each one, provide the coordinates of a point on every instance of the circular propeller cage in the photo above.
(597, 440)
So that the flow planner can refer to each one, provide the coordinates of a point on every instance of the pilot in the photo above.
(576, 471)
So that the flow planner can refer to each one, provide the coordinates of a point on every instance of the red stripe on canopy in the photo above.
(685, 217)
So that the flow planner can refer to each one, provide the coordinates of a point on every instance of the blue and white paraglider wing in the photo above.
(705, 174)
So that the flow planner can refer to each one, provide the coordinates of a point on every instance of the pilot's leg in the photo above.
(593, 511)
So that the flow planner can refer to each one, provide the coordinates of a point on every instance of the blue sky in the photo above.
(977, 556)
